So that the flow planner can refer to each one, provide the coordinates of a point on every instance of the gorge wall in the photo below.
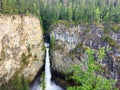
(71, 42)
(21, 41)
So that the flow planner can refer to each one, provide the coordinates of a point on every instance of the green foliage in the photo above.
(116, 29)
(15, 83)
(101, 53)
(20, 7)
(23, 58)
(87, 77)
(52, 41)
(24, 83)
(70, 12)
(43, 85)
(43, 48)
(109, 40)
(97, 15)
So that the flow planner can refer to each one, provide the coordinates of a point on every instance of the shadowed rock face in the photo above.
(21, 41)
(72, 41)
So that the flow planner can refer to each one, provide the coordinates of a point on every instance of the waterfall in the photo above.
(47, 69)
(49, 85)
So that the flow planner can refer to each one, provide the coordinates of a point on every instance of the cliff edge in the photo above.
(21, 41)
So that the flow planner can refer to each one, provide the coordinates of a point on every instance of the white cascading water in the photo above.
(49, 84)
(47, 70)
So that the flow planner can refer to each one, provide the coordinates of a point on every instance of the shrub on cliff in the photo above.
(87, 74)
(52, 41)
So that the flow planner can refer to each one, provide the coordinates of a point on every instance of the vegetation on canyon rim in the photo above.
(74, 11)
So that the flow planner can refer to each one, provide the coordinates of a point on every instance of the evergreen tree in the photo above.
(72, 10)
(97, 15)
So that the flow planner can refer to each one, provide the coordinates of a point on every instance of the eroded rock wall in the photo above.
(21, 41)
(71, 42)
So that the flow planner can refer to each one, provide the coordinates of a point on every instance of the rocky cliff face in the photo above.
(21, 43)
(71, 42)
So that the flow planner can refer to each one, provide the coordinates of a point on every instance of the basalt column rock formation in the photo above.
(21, 41)
(71, 42)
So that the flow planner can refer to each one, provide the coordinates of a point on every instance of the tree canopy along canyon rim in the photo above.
(59, 44)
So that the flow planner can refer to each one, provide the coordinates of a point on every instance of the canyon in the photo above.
(22, 49)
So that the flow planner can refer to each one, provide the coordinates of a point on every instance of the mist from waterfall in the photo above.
(49, 85)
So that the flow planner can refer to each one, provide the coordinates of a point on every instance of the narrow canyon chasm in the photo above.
(22, 50)
(59, 44)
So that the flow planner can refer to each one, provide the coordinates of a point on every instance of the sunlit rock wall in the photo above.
(21, 41)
